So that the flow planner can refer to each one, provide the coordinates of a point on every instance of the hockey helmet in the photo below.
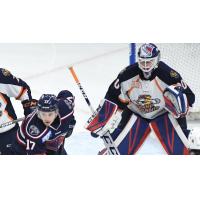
(148, 57)
(47, 103)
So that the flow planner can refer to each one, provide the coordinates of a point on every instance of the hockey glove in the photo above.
(29, 106)
(176, 101)
(101, 117)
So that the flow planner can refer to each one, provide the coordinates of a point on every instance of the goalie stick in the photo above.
(107, 139)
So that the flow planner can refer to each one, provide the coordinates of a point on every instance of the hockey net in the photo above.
(185, 59)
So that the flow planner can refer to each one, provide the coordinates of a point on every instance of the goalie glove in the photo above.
(176, 101)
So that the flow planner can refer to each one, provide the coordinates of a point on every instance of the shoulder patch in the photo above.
(174, 74)
(5, 72)
(34, 130)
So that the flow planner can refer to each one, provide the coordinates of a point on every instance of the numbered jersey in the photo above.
(145, 97)
(10, 86)
(34, 137)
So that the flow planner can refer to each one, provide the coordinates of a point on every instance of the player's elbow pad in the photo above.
(176, 101)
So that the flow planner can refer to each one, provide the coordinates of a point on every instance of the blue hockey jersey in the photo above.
(34, 137)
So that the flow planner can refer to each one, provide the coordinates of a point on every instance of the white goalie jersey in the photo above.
(145, 97)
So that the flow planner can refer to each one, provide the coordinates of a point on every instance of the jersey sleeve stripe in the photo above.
(4, 100)
(19, 140)
(159, 87)
(67, 115)
(22, 91)
(123, 100)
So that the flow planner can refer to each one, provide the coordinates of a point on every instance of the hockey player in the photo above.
(10, 86)
(152, 96)
(44, 130)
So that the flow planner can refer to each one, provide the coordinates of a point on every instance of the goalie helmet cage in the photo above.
(185, 59)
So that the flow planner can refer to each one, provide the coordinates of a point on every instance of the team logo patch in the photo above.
(33, 130)
(6, 72)
(174, 74)
(146, 104)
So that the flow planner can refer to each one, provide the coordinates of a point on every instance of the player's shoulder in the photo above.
(129, 72)
(6, 77)
(66, 108)
(4, 73)
(167, 73)
(34, 127)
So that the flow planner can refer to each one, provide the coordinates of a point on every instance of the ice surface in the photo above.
(44, 68)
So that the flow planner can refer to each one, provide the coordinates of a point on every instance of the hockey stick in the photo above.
(107, 139)
(81, 88)
(11, 122)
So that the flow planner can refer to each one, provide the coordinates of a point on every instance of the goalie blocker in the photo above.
(176, 101)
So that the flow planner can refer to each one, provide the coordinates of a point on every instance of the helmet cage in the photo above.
(148, 64)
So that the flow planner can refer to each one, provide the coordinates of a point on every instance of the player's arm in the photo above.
(178, 97)
(66, 110)
(184, 96)
(116, 93)
(173, 78)
(113, 94)
(17, 88)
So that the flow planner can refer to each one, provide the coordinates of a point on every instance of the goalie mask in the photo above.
(148, 58)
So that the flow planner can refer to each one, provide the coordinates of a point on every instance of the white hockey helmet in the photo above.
(194, 140)
(148, 58)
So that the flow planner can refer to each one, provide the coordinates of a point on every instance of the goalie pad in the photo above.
(105, 118)
(176, 101)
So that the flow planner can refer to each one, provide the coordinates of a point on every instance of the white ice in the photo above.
(44, 68)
